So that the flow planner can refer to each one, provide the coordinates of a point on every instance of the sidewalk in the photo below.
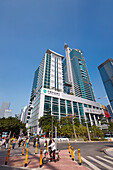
(109, 151)
(65, 162)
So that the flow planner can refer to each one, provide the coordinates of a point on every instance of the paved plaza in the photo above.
(17, 160)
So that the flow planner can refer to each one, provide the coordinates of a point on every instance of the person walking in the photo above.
(24, 140)
(34, 141)
(38, 141)
(14, 142)
(19, 141)
(7, 142)
(3, 142)
(27, 143)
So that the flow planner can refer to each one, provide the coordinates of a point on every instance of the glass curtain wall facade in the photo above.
(106, 72)
(59, 107)
(81, 84)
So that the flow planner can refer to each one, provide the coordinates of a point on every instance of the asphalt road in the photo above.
(92, 154)
(86, 148)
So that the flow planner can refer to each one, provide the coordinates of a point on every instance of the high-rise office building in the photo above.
(4, 110)
(106, 72)
(76, 74)
(57, 89)
(24, 114)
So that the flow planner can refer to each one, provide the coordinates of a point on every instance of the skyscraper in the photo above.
(76, 73)
(106, 72)
(4, 110)
(61, 87)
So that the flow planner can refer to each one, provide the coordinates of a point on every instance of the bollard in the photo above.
(79, 155)
(23, 149)
(70, 151)
(36, 148)
(47, 147)
(40, 158)
(69, 148)
(8, 153)
(26, 156)
(72, 154)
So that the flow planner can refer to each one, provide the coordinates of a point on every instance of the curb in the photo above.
(15, 168)
(107, 152)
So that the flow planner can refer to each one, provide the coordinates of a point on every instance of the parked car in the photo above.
(42, 139)
(60, 139)
(109, 137)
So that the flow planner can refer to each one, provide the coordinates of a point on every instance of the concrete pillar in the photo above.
(90, 119)
(95, 120)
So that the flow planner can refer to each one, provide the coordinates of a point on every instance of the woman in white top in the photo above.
(53, 148)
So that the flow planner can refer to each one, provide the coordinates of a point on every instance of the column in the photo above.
(95, 120)
(79, 112)
(90, 119)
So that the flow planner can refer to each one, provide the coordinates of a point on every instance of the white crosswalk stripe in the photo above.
(108, 157)
(104, 159)
(90, 164)
(100, 163)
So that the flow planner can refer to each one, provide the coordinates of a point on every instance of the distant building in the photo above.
(106, 72)
(5, 111)
(23, 115)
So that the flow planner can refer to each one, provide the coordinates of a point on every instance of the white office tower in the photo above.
(48, 94)
(4, 110)
(24, 114)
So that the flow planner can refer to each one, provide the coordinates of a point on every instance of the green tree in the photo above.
(96, 132)
(66, 127)
(82, 131)
(11, 124)
(110, 127)
(45, 123)
(76, 122)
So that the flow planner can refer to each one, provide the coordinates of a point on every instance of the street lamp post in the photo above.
(52, 126)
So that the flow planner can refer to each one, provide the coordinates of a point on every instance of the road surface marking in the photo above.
(108, 157)
(105, 160)
(104, 165)
(90, 164)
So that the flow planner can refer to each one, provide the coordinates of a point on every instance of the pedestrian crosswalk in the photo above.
(98, 162)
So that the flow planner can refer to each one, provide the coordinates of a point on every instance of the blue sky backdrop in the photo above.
(29, 27)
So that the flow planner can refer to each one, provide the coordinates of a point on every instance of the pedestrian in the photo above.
(14, 142)
(24, 140)
(53, 149)
(3, 142)
(38, 141)
(7, 142)
(27, 143)
(45, 143)
(50, 142)
(34, 141)
(19, 141)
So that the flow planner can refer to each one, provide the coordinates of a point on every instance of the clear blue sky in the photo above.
(29, 27)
